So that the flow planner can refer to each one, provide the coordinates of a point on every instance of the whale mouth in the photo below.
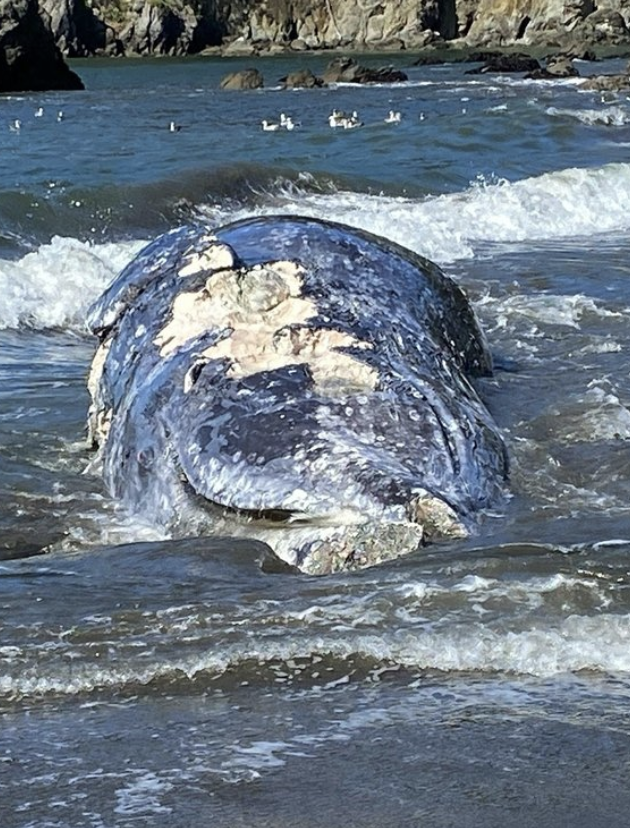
(271, 516)
(341, 541)
(327, 545)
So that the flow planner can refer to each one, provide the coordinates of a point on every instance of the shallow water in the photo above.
(162, 682)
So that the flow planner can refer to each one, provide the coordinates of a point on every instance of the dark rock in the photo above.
(302, 79)
(30, 61)
(507, 63)
(557, 67)
(245, 79)
(347, 70)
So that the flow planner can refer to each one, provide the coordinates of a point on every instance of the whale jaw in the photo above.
(345, 540)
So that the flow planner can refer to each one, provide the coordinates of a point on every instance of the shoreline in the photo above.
(445, 53)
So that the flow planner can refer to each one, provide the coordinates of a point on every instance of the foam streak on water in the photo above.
(53, 286)
(454, 616)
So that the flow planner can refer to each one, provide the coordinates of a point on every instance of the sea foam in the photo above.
(53, 286)
(572, 645)
(612, 116)
(571, 203)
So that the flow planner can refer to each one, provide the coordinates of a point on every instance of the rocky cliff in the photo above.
(549, 22)
(178, 27)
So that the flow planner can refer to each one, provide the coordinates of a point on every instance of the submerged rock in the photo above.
(506, 63)
(301, 79)
(347, 70)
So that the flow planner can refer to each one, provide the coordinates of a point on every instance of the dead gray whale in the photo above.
(298, 381)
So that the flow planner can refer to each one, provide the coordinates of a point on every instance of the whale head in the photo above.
(297, 381)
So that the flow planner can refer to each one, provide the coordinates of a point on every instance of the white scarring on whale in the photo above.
(297, 381)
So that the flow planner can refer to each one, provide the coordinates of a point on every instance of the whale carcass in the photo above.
(298, 381)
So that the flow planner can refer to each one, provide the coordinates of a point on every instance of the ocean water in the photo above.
(156, 681)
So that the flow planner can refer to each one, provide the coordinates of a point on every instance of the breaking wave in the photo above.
(52, 285)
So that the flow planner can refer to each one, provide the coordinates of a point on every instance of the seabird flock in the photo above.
(338, 119)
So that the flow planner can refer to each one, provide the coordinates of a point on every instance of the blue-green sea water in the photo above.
(183, 682)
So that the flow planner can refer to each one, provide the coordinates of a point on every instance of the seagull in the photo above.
(287, 122)
(270, 127)
(39, 111)
(336, 118)
(16, 125)
(352, 122)
(173, 127)
(392, 117)
(60, 115)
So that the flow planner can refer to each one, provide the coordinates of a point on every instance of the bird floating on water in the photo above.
(393, 117)
(287, 122)
(353, 121)
(16, 125)
(270, 127)
(60, 115)
(339, 119)
(39, 111)
(173, 127)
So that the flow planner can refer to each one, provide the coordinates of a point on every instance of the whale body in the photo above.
(298, 381)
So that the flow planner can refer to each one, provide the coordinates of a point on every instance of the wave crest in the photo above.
(53, 285)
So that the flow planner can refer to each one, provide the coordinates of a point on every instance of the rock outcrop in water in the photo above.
(179, 27)
(245, 79)
(30, 61)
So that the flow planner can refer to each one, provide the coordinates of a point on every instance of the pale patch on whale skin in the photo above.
(235, 297)
(99, 417)
(438, 519)
(215, 257)
(332, 369)
(264, 313)
(299, 382)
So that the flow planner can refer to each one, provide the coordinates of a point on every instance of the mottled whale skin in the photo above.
(298, 381)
